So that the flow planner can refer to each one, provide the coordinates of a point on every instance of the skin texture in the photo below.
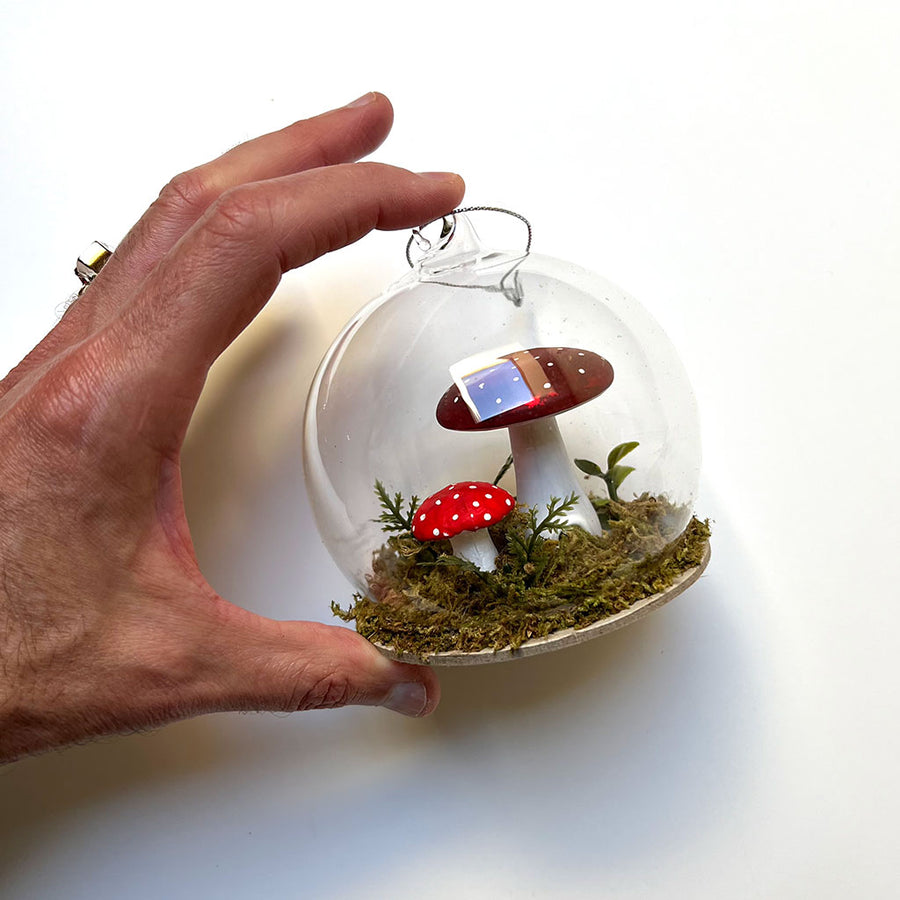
(107, 624)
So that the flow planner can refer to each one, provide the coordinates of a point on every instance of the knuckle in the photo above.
(189, 190)
(246, 218)
(70, 395)
(238, 212)
(328, 690)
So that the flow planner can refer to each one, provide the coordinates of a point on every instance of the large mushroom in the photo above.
(462, 513)
(524, 391)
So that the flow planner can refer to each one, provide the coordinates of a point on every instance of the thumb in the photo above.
(291, 666)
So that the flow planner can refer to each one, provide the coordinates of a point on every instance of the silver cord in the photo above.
(448, 228)
(514, 293)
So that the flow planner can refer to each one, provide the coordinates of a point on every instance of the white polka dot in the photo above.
(488, 496)
(456, 399)
(446, 535)
(456, 517)
(437, 502)
(508, 502)
(436, 532)
(481, 386)
(456, 496)
(581, 371)
(475, 503)
(516, 378)
(549, 364)
(546, 384)
(422, 517)
(473, 486)
(499, 400)
(537, 357)
(487, 517)
(580, 354)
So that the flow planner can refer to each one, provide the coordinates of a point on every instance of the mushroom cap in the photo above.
(464, 506)
(525, 385)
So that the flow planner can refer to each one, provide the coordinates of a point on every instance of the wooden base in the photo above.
(559, 639)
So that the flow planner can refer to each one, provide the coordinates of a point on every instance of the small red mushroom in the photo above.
(462, 513)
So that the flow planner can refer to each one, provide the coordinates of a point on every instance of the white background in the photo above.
(736, 167)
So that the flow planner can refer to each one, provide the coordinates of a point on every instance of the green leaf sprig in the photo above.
(614, 474)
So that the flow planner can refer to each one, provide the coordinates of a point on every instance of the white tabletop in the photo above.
(734, 166)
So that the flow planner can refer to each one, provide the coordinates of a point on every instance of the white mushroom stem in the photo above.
(477, 547)
(544, 470)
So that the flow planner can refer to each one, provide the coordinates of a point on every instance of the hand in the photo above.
(106, 622)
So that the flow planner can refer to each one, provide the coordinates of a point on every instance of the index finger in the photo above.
(217, 278)
(338, 136)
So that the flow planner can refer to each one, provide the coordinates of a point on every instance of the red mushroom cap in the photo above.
(464, 506)
(526, 385)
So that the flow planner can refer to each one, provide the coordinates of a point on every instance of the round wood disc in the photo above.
(559, 639)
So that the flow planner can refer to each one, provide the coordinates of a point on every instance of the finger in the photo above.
(218, 277)
(339, 136)
(292, 666)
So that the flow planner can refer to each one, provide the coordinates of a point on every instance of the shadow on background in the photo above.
(619, 737)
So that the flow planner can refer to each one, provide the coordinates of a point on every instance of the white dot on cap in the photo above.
(546, 384)
(436, 532)
(437, 502)
(456, 517)
(549, 364)
(580, 353)
(456, 496)
(499, 400)
(508, 502)
(481, 386)
(581, 371)
(475, 503)
(487, 517)
(456, 399)
(473, 486)
(516, 378)
(488, 496)
(422, 517)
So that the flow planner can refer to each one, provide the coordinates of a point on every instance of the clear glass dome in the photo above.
(453, 325)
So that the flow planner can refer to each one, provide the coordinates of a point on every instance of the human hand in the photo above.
(107, 623)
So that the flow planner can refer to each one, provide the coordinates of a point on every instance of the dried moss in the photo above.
(424, 600)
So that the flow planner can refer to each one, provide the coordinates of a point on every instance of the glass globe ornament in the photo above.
(557, 415)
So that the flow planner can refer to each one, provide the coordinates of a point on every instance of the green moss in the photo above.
(424, 600)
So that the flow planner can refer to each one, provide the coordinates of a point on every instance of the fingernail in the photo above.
(365, 100)
(407, 699)
(440, 176)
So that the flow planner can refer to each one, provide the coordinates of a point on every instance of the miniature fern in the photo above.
(523, 543)
(393, 518)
